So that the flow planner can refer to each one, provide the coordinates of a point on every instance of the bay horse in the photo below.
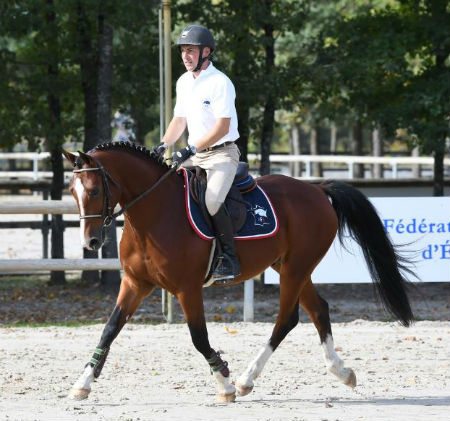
(159, 248)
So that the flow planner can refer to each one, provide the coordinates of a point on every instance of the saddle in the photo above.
(236, 206)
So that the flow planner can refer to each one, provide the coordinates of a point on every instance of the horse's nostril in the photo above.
(94, 244)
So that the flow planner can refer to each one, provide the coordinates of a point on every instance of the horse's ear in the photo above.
(69, 156)
(85, 158)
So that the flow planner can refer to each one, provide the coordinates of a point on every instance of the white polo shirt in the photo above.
(203, 100)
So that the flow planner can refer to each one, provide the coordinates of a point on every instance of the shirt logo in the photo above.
(206, 103)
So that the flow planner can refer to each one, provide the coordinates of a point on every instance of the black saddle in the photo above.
(234, 202)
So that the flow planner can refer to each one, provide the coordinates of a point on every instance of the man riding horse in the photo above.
(205, 104)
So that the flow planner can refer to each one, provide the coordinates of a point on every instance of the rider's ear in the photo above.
(84, 157)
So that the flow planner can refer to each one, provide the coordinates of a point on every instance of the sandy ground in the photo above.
(154, 373)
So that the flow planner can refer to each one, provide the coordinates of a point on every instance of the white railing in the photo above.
(347, 160)
(58, 207)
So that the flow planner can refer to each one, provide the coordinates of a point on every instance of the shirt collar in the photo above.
(205, 72)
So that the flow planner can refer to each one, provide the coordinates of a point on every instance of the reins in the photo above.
(144, 193)
(108, 216)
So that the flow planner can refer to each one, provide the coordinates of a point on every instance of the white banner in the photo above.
(420, 224)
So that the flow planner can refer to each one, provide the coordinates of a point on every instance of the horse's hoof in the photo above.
(351, 380)
(222, 398)
(79, 394)
(243, 390)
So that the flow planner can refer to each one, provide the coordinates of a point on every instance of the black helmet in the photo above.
(197, 35)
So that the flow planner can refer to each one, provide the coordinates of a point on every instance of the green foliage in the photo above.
(391, 66)
(383, 62)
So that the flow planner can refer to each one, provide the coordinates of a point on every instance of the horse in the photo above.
(160, 248)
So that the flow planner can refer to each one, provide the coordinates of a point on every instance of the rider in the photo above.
(205, 104)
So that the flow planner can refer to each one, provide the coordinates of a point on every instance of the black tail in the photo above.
(355, 212)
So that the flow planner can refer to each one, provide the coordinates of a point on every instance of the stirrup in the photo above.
(227, 275)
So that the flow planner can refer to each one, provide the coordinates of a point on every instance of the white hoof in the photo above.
(222, 398)
(351, 379)
(79, 394)
(243, 390)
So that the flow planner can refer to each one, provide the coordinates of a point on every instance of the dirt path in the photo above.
(154, 373)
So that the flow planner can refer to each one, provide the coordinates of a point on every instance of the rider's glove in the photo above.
(161, 149)
(182, 155)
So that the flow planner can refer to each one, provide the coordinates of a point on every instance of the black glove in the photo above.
(161, 149)
(182, 155)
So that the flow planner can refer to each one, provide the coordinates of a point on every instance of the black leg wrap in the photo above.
(217, 364)
(98, 360)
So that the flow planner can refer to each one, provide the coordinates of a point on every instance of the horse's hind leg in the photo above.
(317, 309)
(130, 297)
(192, 305)
(287, 319)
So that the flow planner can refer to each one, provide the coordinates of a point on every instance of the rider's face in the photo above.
(190, 54)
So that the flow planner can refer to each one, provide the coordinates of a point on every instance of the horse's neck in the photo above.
(160, 205)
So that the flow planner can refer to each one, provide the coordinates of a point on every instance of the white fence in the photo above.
(349, 161)
(307, 160)
(32, 265)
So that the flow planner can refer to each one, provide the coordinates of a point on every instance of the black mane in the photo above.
(149, 153)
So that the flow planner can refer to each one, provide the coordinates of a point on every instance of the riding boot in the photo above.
(228, 267)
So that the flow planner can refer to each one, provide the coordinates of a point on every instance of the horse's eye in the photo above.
(94, 192)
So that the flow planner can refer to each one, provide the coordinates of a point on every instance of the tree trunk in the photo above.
(88, 60)
(314, 149)
(110, 279)
(105, 73)
(377, 150)
(243, 113)
(296, 167)
(438, 182)
(53, 139)
(269, 107)
(333, 138)
(357, 148)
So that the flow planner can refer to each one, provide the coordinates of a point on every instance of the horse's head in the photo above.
(96, 193)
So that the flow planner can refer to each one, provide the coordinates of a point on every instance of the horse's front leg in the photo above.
(130, 297)
(192, 304)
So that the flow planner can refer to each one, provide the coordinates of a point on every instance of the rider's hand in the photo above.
(182, 155)
(161, 149)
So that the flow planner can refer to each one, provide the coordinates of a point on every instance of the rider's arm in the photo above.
(175, 130)
(219, 130)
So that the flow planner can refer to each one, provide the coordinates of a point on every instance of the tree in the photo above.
(391, 64)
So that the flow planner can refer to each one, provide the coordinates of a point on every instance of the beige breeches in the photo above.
(220, 166)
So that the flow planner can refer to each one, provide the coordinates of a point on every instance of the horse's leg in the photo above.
(317, 309)
(130, 297)
(287, 319)
(192, 305)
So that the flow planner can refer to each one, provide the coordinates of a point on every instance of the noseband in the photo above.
(107, 212)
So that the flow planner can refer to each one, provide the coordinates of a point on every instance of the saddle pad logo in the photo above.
(259, 214)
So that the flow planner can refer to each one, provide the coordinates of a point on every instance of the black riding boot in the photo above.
(228, 267)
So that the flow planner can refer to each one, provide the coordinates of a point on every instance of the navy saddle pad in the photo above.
(261, 219)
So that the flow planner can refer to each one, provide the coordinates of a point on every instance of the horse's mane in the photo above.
(131, 147)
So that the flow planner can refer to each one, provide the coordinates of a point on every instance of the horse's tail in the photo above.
(385, 265)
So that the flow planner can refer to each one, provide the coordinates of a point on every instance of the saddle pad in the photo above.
(261, 220)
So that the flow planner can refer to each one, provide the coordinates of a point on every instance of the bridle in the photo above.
(107, 211)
